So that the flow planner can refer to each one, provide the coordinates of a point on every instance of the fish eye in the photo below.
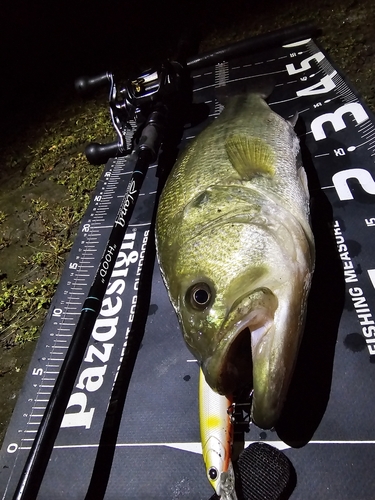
(199, 295)
(212, 473)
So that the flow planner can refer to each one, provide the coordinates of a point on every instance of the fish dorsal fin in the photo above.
(250, 156)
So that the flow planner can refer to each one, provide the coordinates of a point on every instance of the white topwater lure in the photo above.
(216, 430)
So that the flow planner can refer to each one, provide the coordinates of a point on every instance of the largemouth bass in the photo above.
(236, 251)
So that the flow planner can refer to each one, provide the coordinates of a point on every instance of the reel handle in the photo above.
(86, 84)
(99, 154)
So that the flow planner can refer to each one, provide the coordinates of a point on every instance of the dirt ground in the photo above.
(46, 182)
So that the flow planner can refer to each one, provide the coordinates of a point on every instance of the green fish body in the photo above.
(236, 251)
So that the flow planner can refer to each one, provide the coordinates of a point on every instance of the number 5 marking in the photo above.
(305, 64)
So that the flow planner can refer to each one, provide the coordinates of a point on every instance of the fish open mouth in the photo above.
(236, 376)
(230, 370)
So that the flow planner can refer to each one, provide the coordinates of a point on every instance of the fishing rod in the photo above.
(152, 95)
(282, 36)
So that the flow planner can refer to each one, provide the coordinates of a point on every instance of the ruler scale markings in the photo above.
(84, 264)
(365, 126)
(369, 133)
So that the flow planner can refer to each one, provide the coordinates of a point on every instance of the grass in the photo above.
(53, 159)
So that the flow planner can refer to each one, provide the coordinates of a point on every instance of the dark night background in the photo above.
(47, 45)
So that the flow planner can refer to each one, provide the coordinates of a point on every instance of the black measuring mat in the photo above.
(327, 430)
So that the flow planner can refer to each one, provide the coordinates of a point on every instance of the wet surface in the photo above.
(355, 342)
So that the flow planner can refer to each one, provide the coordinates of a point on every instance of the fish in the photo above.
(216, 430)
(236, 251)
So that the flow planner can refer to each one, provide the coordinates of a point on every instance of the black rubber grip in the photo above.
(264, 472)
(85, 84)
(99, 154)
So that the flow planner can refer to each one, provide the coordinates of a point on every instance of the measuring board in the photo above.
(327, 429)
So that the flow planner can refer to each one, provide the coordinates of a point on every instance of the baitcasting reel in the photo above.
(130, 104)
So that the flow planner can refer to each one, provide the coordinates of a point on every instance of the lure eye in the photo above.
(199, 295)
(212, 473)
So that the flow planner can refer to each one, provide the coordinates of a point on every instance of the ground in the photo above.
(46, 181)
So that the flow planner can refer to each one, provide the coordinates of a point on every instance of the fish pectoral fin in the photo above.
(250, 156)
(293, 120)
(303, 180)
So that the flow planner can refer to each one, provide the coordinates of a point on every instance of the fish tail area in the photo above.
(262, 86)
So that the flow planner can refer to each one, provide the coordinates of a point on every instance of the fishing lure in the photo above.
(216, 429)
